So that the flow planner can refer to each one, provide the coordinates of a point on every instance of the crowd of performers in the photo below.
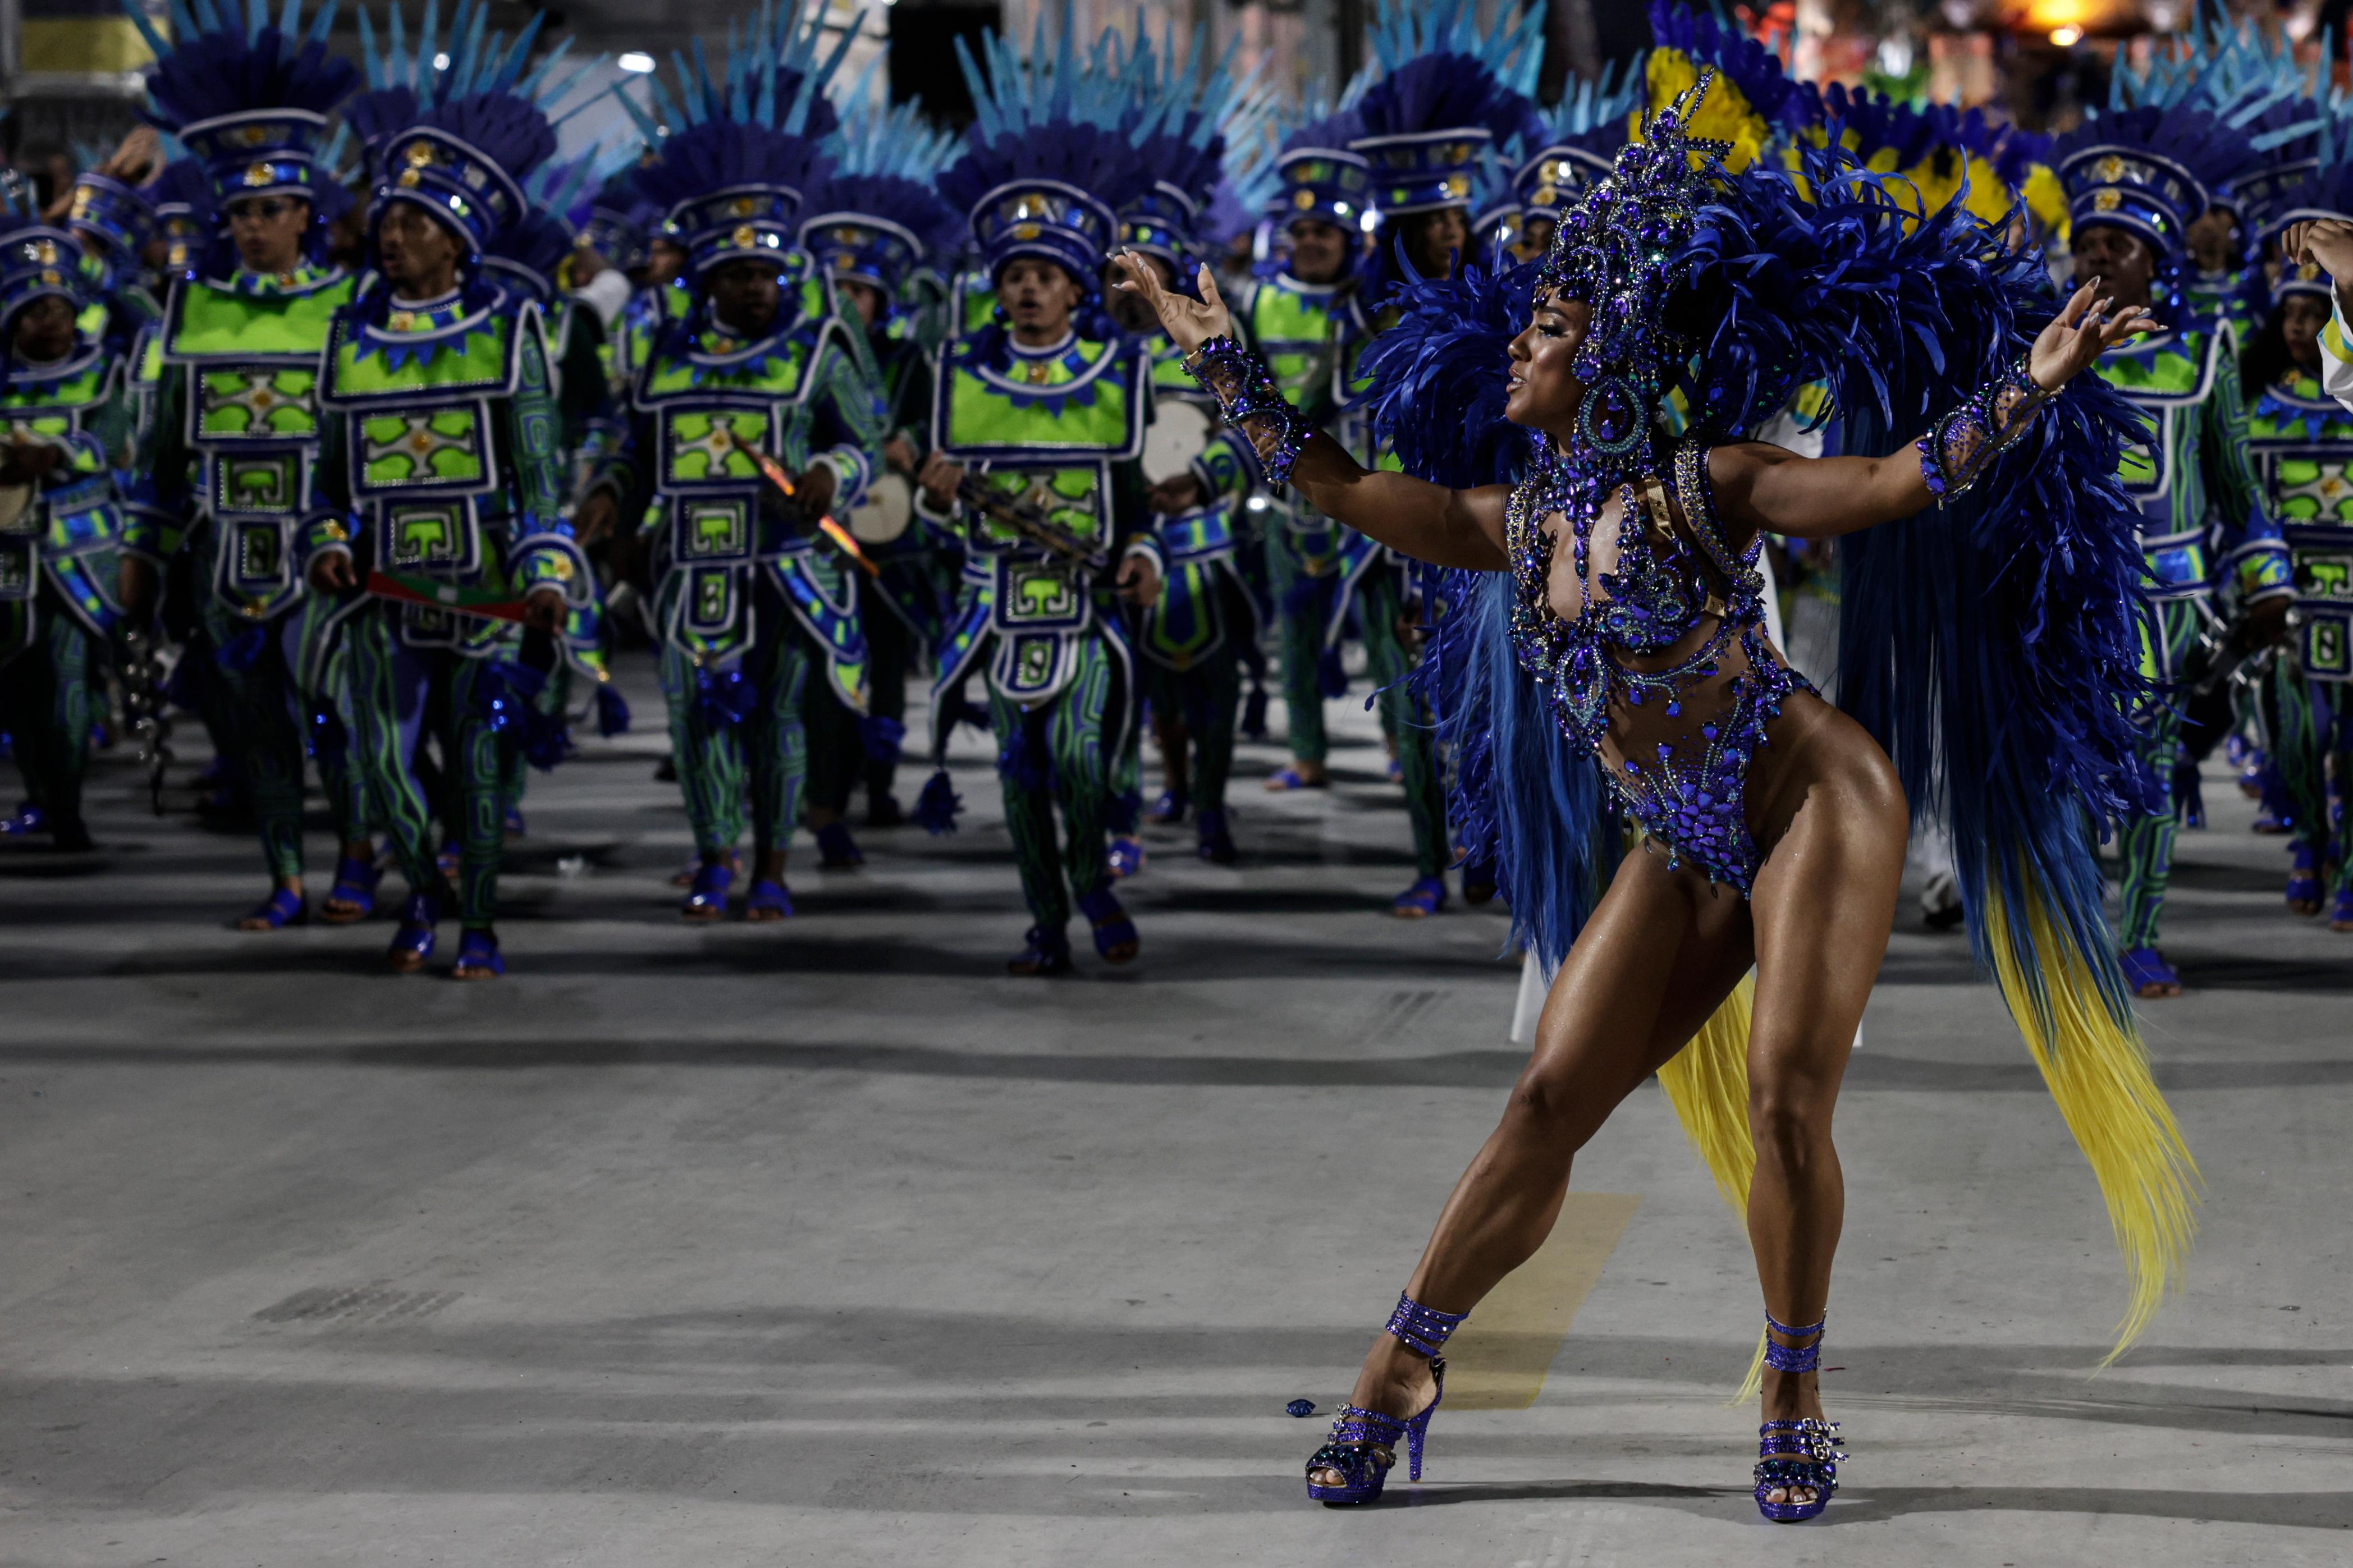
(818, 401)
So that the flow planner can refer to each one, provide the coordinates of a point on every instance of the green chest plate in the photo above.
(1091, 399)
(2167, 382)
(439, 447)
(1293, 327)
(2303, 444)
(712, 401)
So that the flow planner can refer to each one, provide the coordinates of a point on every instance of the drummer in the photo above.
(880, 232)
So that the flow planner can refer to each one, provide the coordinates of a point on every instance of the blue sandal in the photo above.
(353, 898)
(1283, 781)
(1125, 860)
(26, 819)
(1362, 1444)
(1793, 1454)
(283, 907)
(1424, 898)
(2303, 881)
(2148, 975)
(836, 849)
(707, 899)
(412, 942)
(768, 901)
(1115, 938)
(1048, 954)
(2341, 917)
(1217, 838)
(478, 956)
(1170, 807)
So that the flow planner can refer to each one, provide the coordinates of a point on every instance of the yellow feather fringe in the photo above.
(1707, 1083)
(2097, 1072)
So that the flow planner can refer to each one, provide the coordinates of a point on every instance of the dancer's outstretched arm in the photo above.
(1767, 487)
(1426, 521)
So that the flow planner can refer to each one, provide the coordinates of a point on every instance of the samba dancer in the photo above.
(1774, 823)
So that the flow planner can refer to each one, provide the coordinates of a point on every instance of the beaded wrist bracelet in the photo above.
(1960, 447)
(1245, 389)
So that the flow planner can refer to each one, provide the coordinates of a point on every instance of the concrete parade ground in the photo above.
(828, 1244)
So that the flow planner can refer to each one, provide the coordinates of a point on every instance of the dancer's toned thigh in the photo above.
(1831, 814)
(1663, 950)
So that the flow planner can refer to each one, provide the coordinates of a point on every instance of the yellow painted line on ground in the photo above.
(1499, 1359)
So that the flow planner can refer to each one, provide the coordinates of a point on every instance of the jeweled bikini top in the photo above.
(1675, 736)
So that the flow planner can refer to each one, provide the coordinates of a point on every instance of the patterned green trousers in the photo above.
(1388, 661)
(1058, 753)
(2145, 843)
(48, 704)
(2307, 722)
(393, 689)
(765, 755)
(1209, 698)
(270, 723)
(1300, 615)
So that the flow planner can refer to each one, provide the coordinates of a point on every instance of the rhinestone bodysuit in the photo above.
(1664, 673)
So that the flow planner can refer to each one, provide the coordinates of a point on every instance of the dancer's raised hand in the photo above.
(1188, 322)
(2079, 334)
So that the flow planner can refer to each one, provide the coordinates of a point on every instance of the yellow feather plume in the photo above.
(1725, 114)
(1707, 1083)
(2097, 1072)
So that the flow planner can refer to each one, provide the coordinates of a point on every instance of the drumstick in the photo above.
(774, 472)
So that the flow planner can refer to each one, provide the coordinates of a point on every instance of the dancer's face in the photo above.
(2302, 316)
(1434, 240)
(2120, 258)
(1038, 298)
(745, 294)
(1318, 250)
(1544, 389)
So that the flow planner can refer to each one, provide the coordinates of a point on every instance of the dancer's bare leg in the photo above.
(1822, 905)
(1661, 950)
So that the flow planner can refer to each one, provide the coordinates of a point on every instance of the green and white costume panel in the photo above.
(58, 560)
(2205, 532)
(232, 452)
(1062, 430)
(441, 468)
(748, 604)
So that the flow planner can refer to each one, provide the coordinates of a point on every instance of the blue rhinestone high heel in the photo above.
(1794, 1453)
(1362, 1444)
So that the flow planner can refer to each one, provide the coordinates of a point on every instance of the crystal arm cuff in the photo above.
(1956, 452)
(1252, 402)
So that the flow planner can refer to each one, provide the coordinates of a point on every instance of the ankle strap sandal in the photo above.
(1794, 1455)
(1362, 1445)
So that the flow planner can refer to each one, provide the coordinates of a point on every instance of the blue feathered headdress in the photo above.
(37, 260)
(731, 182)
(1449, 93)
(2150, 169)
(1183, 115)
(2254, 85)
(528, 252)
(181, 196)
(879, 218)
(247, 93)
(1314, 175)
(1048, 160)
(1576, 144)
(456, 125)
(621, 222)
